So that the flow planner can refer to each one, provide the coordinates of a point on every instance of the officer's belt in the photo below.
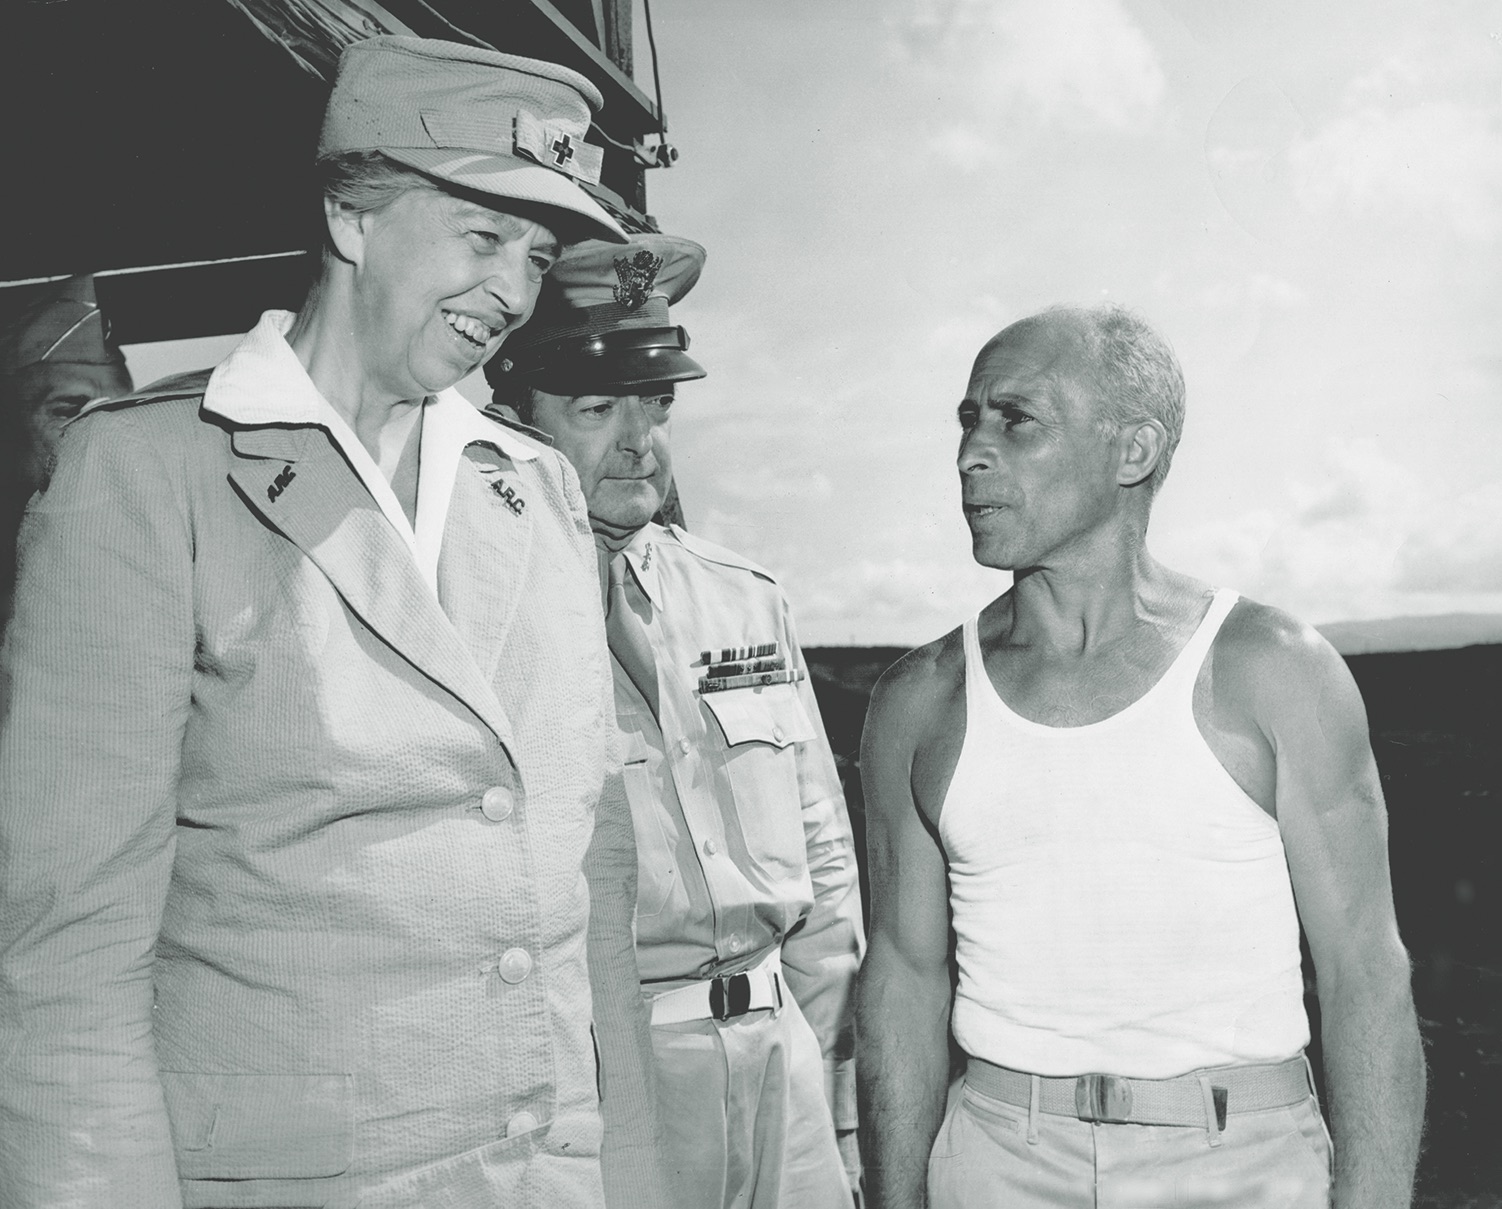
(725, 997)
(1183, 1100)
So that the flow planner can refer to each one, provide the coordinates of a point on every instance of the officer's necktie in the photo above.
(627, 636)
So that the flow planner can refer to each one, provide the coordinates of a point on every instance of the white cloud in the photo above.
(964, 147)
(1458, 548)
(1388, 156)
(1369, 539)
(1083, 64)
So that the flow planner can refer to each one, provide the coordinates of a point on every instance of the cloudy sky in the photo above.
(1307, 199)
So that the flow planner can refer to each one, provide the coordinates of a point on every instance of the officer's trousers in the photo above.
(746, 1123)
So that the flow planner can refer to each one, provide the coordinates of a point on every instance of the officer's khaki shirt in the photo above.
(741, 828)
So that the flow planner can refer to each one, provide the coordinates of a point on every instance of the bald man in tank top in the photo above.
(1123, 790)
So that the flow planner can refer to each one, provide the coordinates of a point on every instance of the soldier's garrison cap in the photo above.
(601, 321)
(494, 123)
(62, 324)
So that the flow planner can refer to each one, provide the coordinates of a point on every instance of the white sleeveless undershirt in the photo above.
(1121, 906)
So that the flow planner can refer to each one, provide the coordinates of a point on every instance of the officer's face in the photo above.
(619, 446)
(51, 396)
(439, 284)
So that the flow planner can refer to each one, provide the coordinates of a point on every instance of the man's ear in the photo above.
(347, 230)
(1140, 447)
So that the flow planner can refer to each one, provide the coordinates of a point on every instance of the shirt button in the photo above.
(683, 746)
(734, 944)
(516, 964)
(496, 803)
(523, 1122)
(777, 733)
(710, 847)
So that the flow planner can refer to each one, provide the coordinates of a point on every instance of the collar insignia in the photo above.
(637, 275)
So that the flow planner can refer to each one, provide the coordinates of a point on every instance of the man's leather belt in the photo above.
(1178, 1101)
(723, 998)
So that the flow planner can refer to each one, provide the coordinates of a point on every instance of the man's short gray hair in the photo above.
(1136, 374)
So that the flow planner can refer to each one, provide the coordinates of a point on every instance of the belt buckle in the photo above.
(729, 996)
(1103, 1098)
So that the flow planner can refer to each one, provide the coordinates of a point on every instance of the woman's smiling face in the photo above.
(440, 282)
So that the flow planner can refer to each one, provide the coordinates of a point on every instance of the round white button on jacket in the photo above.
(684, 745)
(777, 733)
(734, 944)
(710, 847)
(523, 1122)
(497, 803)
(516, 964)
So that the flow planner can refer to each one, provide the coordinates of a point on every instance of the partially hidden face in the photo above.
(440, 283)
(619, 446)
(1037, 473)
(51, 394)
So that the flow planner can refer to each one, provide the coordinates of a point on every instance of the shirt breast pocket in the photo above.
(656, 844)
(761, 727)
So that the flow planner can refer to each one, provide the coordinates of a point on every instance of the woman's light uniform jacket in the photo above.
(293, 901)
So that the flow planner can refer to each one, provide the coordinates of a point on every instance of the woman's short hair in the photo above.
(366, 181)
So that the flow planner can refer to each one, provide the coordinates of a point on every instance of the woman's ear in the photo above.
(347, 230)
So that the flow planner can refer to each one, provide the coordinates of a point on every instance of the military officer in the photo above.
(748, 918)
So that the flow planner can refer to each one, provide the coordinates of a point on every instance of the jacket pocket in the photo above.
(761, 727)
(760, 715)
(245, 1127)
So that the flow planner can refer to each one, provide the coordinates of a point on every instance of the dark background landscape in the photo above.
(1436, 721)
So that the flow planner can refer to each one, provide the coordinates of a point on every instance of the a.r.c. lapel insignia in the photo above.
(646, 557)
(283, 477)
(637, 275)
(508, 496)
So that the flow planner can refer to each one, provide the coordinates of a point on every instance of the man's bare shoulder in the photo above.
(915, 728)
(924, 680)
(1278, 668)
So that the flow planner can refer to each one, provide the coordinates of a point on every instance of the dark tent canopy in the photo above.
(167, 144)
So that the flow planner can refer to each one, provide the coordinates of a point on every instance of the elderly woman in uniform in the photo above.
(309, 747)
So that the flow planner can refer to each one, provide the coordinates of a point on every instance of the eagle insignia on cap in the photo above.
(637, 276)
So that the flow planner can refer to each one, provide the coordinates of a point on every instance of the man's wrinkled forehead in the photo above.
(1032, 357)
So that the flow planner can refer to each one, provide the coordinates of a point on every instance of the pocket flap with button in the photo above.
(771, 714)
(245, 1127)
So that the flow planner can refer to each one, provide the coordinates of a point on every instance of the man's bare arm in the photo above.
(903, 997)
(1334, 826)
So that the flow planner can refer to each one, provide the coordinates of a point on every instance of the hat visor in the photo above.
(508, 177)
(615, 374)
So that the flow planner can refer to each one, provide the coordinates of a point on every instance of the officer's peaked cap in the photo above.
(602, 320)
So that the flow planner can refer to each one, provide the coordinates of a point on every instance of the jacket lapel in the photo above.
(487, 541)
(299, 484)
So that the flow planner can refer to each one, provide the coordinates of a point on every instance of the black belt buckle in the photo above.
(1103, 1098)
(729, 997)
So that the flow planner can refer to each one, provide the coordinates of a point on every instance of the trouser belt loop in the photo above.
(1214, 1100)
(1035, 1095)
